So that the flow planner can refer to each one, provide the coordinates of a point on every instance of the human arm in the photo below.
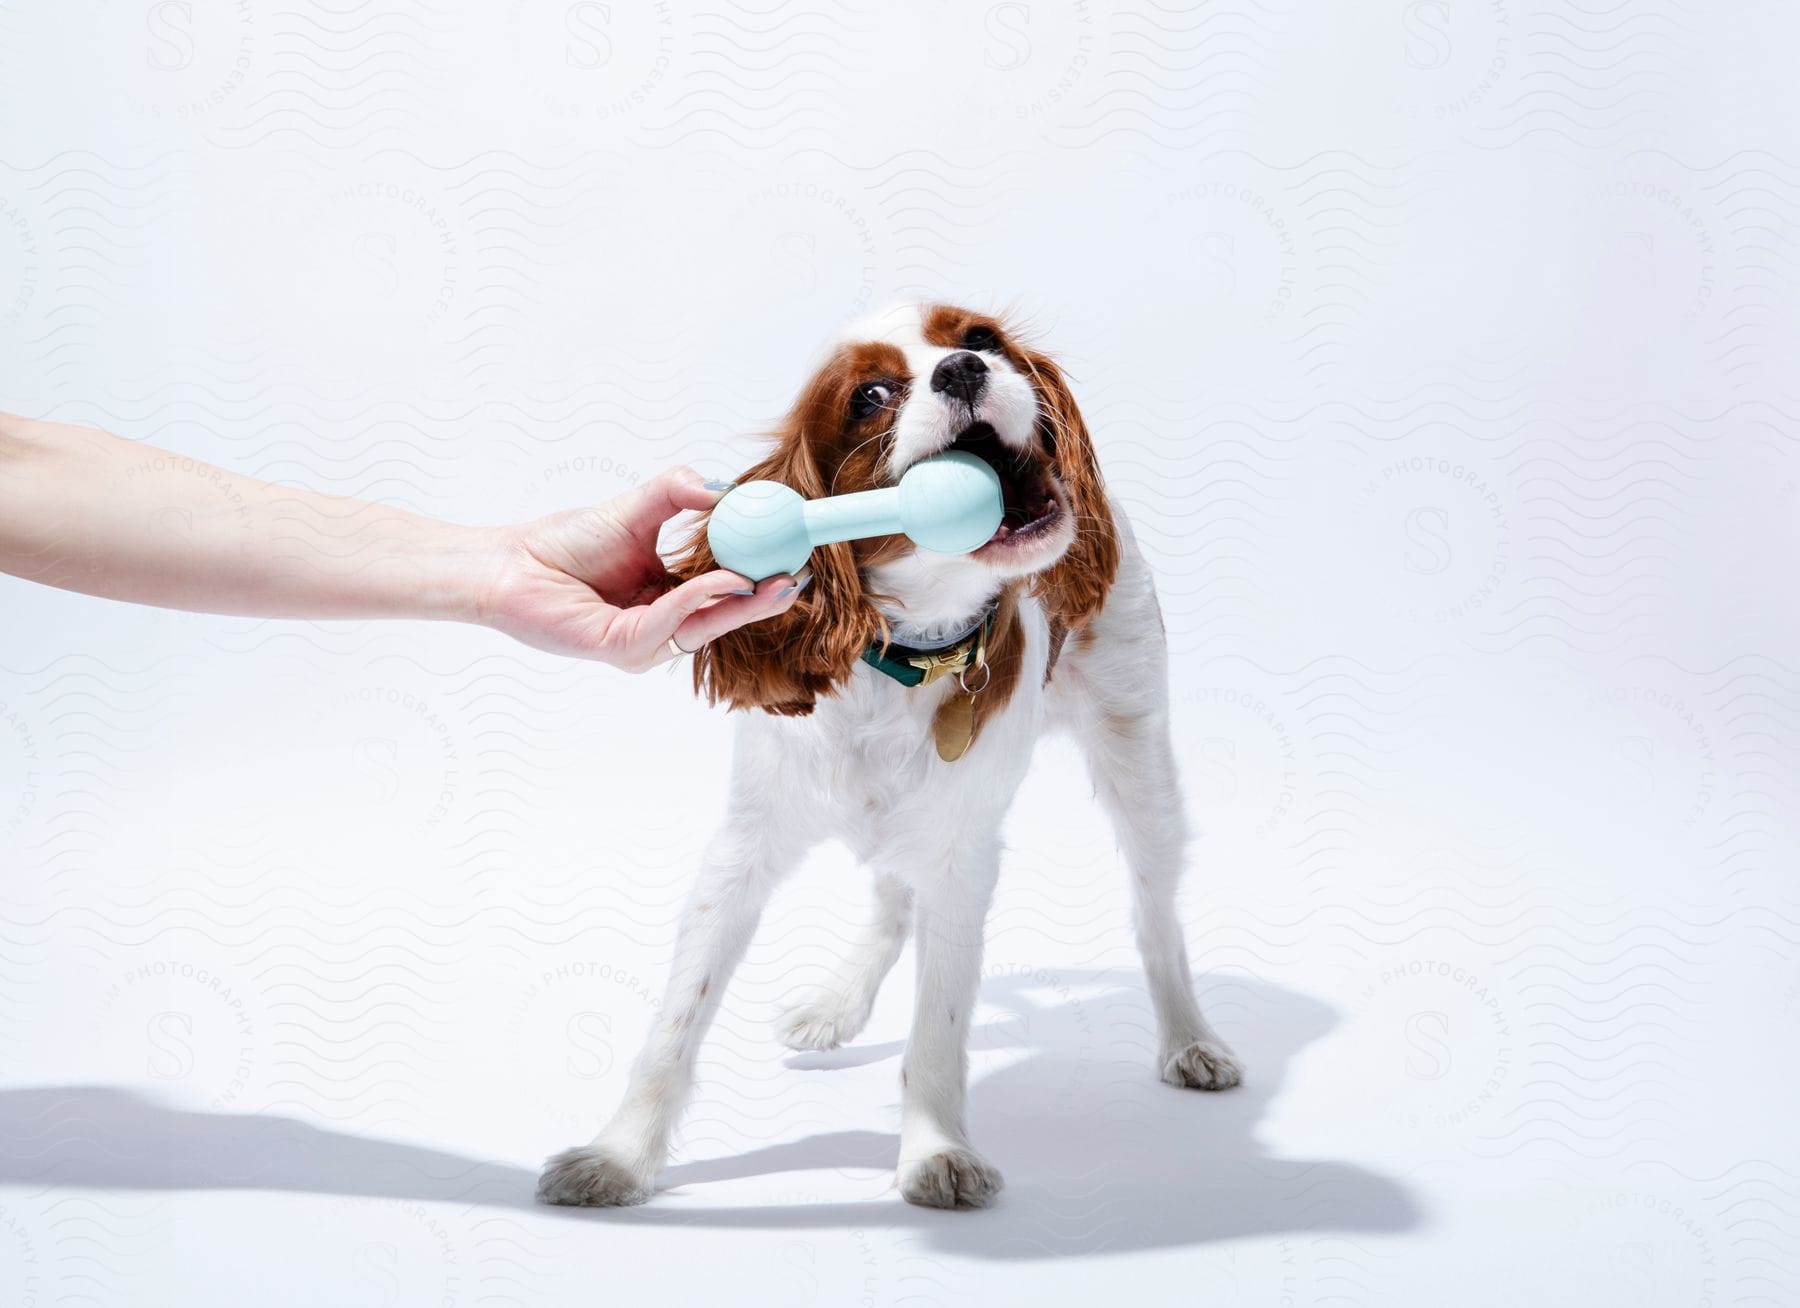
(87, 511)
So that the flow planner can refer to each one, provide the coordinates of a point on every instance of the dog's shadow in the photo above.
(1098, 1154)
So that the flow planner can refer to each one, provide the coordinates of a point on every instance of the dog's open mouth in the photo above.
(1029, 498)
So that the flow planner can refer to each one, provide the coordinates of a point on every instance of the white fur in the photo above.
(862, 768)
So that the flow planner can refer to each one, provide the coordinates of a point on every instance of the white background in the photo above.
(1442, 353)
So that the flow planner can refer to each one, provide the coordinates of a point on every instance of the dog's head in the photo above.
(900, 387)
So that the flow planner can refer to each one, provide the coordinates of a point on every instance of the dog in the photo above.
(895, 706)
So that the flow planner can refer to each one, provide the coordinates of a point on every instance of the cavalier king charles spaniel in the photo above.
(895, 707)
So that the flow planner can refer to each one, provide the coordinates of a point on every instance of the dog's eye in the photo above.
(981, 338)
(870, 398)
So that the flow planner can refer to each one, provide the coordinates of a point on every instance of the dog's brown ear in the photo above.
(785, 663)
(1075, 588)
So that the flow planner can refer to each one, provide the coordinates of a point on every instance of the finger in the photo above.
(773, 595)
(648, 506)
(667, 614)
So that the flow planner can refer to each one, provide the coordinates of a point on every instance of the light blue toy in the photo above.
(948, 504)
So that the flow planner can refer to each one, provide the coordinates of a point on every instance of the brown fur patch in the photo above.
(783, 664)
(1059, 632)
(1123, 725)
(945, 325)
(1076, 587)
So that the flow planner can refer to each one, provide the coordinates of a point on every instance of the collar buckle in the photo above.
(911, 666)
(942, 663)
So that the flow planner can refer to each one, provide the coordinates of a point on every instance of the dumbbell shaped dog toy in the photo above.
(949, 504)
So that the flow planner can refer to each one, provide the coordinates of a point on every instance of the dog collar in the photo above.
(920, 665)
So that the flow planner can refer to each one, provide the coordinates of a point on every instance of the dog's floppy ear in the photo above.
(1075, 588)
(785, 663)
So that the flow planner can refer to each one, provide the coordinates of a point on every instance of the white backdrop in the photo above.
(1442, 353)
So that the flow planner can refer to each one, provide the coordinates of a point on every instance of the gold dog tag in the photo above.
(954, 726)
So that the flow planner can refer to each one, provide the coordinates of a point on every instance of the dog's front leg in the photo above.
(839, 1009)
(746, 858)
(938, 1168)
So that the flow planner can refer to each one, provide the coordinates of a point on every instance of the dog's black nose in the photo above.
(962, 374)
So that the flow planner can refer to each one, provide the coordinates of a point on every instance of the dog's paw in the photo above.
(951, 1178)
(820, 1023)
(589, 1177)
(1204, 1065)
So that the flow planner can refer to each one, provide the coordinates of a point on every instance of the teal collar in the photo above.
(913, 665)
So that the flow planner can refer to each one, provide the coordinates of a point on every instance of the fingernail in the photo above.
(750, 591)
(719, 485)
(803, 583)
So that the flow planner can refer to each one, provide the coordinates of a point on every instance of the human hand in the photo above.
(589, 582)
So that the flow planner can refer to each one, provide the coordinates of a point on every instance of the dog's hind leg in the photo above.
(1113, 691)
(743, 863)
(1132, 762)
(839, 1008)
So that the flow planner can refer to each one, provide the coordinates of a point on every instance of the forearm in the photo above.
(87, 511)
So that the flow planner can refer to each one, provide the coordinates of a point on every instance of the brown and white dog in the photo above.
(1052, 623)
